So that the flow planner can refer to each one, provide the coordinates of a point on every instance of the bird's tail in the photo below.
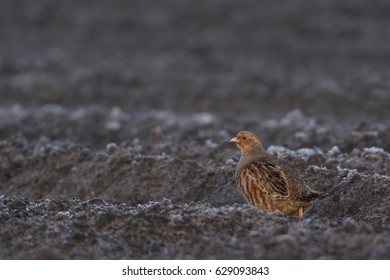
(313, 195)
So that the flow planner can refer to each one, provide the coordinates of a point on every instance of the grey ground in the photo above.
(115, 120)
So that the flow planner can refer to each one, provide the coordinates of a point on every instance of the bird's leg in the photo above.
(300, 213)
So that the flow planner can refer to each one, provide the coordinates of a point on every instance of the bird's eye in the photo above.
(244, 138)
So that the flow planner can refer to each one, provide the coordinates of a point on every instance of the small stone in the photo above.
(17, 203)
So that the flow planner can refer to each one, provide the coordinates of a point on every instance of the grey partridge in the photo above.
(269, 183)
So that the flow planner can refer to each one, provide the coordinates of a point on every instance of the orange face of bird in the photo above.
(246, 141)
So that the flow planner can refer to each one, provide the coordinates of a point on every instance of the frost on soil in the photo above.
(116, 146)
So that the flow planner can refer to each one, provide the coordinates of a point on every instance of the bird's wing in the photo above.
(270, 176)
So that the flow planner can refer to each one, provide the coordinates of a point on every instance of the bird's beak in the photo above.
(233, 140)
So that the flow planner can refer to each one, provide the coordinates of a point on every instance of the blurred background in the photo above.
(234, 58)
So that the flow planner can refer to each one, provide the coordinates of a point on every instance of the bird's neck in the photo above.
(247, 157)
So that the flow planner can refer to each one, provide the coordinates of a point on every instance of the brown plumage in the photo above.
(269, 183)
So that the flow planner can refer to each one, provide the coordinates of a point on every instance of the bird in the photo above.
(269, 183)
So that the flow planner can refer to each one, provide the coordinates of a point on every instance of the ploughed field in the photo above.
(115, 121)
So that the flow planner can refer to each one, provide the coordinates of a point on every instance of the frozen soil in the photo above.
(115, 123)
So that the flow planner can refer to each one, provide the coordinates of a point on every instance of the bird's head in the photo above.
(247, 142)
